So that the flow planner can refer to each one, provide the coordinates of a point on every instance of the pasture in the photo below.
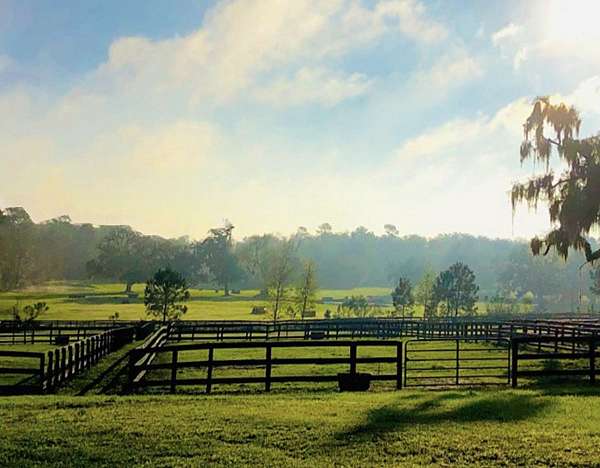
(552, 427)
(99, 301)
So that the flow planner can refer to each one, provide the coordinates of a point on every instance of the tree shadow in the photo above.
(448, 407)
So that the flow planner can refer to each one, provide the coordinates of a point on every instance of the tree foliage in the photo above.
(402, 297)
(305, 293)
(219, 258)
(455, 290)
(424, 294)
(29, 313)
(282, 265)
(164, 293)
(573, 197)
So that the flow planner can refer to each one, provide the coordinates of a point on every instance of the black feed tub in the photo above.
(357, 382)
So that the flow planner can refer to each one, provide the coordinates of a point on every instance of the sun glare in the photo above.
(573, 20)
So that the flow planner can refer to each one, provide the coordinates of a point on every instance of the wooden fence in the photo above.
(55, 332)
(580, 352)
(381, 328)
(137, 364)
(62, 364)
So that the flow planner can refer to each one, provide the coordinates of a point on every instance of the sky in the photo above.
(172, 116)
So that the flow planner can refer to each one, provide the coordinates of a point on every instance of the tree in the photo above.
(324, 229)
(17, 232)
(391, 230)
(121, 256)
(425, 296)
(218, 253)
(306, 290)
(456, 290)
(29, 313)
(402, 296)
(573, 197)
(357, 306)
(283, 263)
(163, 294)
(255, 256)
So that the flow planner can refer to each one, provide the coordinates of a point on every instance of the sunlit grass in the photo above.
(465, 427)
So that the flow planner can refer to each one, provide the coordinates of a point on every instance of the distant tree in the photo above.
(306, 290)
(357, 306)
(573, 198)
(219, 257)
(29, 313)
(17, 236)
(402, 297)
(424, 294)
(391, 230)
(255, 257)
(121, 256)
(283, 263)
(163, 294)
(456, 291)
(324, 229)
(522, 272)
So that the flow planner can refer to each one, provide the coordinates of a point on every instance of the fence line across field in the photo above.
(60, 365)
(138, 365)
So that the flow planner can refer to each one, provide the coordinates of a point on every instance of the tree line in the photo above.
(59, 249)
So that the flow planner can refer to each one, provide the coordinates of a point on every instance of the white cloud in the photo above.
(452, 69)
(509, 31)
(314, 85)
(444, 138)
(241, 40)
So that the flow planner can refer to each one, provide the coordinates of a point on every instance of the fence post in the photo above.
(399, 366)
(133, 358)
(268, 368)
(77, 358)
(51, 365)
(174, 371)
(457, 359)
(42, 372)
(209, 369)
(63, 364)
(70, 364)
(514, 344)
(353, 358)
(593, 359)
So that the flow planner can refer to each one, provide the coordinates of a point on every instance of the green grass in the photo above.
(20, 362)
(103, 300)
(523, 427)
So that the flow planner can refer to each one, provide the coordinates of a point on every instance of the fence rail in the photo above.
(137, 366)
(60, 365)
(581, 352)
(382, 329)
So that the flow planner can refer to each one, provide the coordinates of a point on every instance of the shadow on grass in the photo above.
(446, 408)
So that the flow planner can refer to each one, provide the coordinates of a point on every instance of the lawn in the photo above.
(558, 427)
(99, 301)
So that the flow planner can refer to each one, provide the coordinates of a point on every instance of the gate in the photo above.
(455, 362)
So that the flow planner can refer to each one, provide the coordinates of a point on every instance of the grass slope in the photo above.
(102, 300)
(524, 427)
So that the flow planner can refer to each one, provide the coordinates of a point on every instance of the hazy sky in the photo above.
(173, 115)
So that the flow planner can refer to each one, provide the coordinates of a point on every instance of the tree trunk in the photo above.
(128, 287)
(226, 288)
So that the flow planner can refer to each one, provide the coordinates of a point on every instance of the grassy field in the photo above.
(102, 301)
(556, 427)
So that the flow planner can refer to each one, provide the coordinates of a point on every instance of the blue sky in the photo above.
(171, 116)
